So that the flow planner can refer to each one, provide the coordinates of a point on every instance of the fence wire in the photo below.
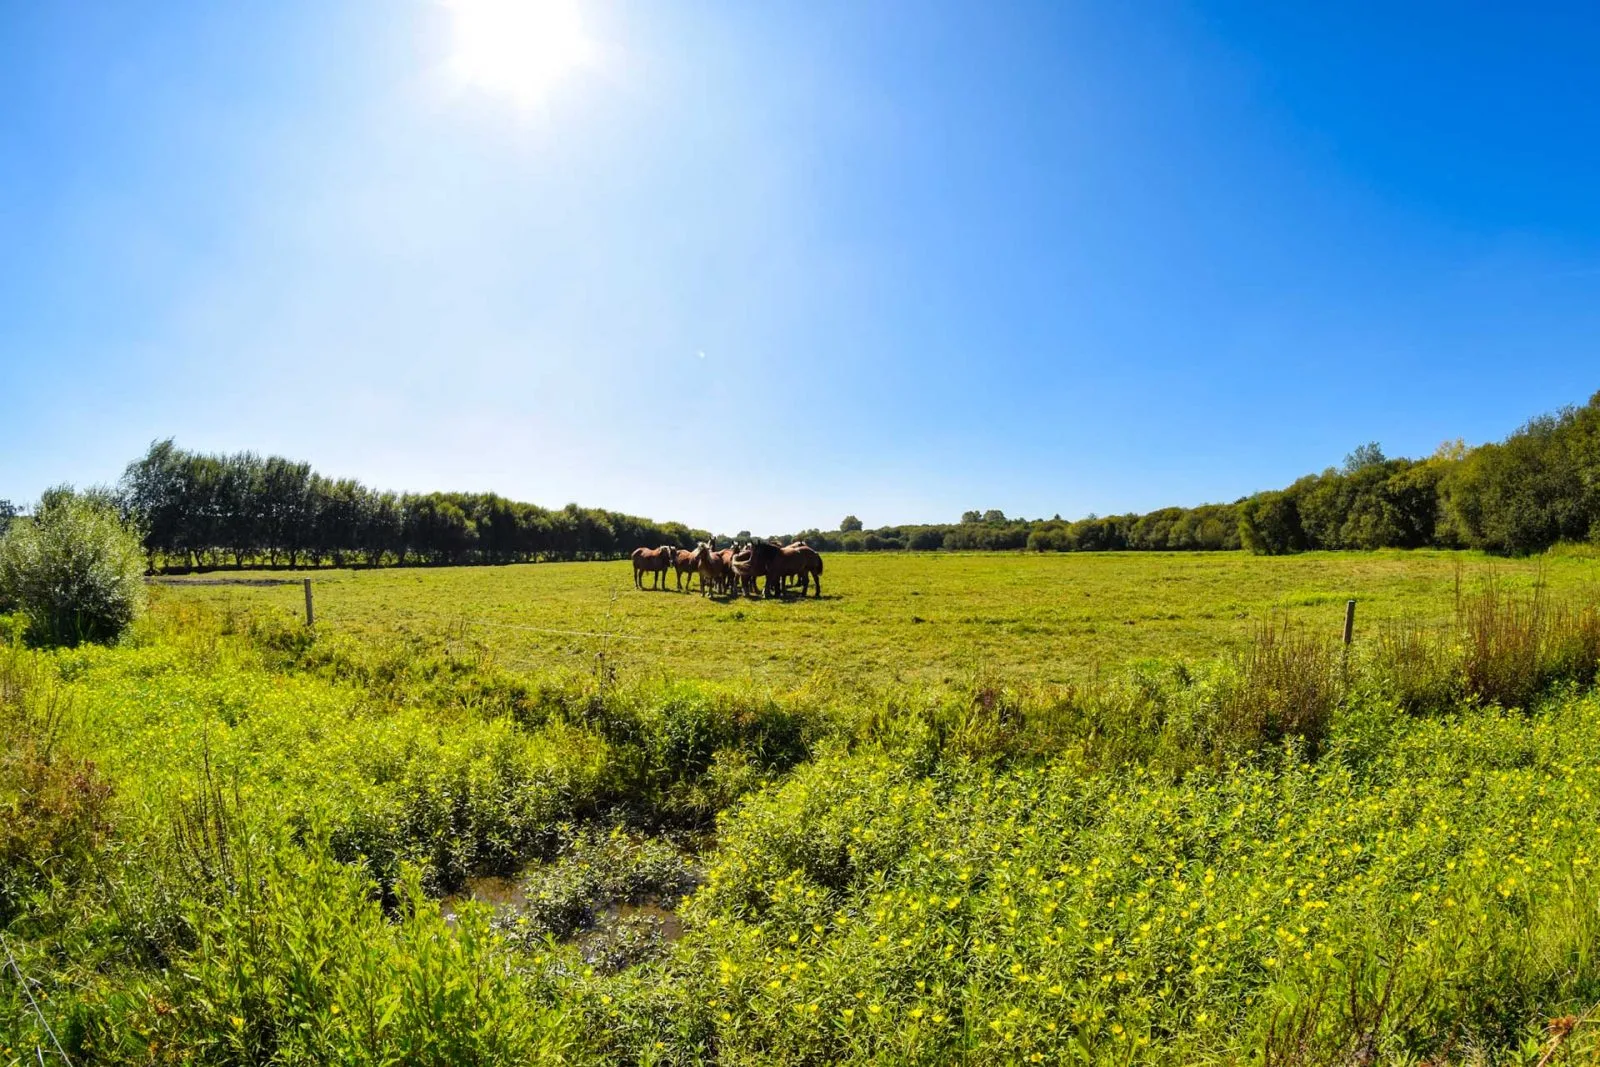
(22, 980)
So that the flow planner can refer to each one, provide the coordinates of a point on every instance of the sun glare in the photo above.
(517, 48)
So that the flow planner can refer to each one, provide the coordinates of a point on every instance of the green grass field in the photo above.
(905, 617)
(430, 831)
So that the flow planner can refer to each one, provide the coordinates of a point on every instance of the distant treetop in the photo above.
(1364, 456)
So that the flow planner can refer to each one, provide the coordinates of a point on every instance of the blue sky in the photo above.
(760, 265)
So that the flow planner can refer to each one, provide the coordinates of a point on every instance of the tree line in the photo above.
(243, 509)
(1538, 487)
(1210, 526)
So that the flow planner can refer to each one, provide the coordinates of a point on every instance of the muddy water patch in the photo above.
(614, 897)
(501, 892)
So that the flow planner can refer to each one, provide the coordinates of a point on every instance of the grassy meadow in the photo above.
(1089, 810)
(900, 618)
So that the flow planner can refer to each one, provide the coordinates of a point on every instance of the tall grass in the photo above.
(1516, 647)
(53, 804)
(1284, 683)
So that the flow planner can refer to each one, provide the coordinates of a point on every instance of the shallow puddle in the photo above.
(502, 893)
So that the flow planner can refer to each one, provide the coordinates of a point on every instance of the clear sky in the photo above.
(758, 265)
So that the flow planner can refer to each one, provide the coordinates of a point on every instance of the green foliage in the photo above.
(1275, 849)
(861, 914)
(202, 510)
(1539, 487)
(74, 569)
(1269, 524)
(1363, 456)
(595, 872)
(52, 803)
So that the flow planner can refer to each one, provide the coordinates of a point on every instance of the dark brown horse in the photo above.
(654, 561)
(778, 562)
(788, 579)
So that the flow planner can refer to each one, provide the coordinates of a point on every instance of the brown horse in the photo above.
(654, 561)
(712, 566)
(746, 568)
(788, 579)
(683, 563)
(778, 562)
(725, 565)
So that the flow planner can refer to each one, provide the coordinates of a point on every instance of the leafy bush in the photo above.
(74, 570)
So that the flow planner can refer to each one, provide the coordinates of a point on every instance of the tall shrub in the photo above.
(74, 569)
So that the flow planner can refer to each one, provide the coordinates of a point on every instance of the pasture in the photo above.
(434, 831)
(891, 619)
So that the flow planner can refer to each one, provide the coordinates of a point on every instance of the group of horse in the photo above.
(732, 571)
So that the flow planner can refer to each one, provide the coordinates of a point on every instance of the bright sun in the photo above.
(519, 48)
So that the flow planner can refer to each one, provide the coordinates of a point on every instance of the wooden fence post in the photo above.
(1349, 621)
(311, 618)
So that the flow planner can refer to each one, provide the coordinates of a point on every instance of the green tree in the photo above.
(1269, 524)
(286, 507)
(155, 487)
(241, 497)
(1363, 456)
(851, 524)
